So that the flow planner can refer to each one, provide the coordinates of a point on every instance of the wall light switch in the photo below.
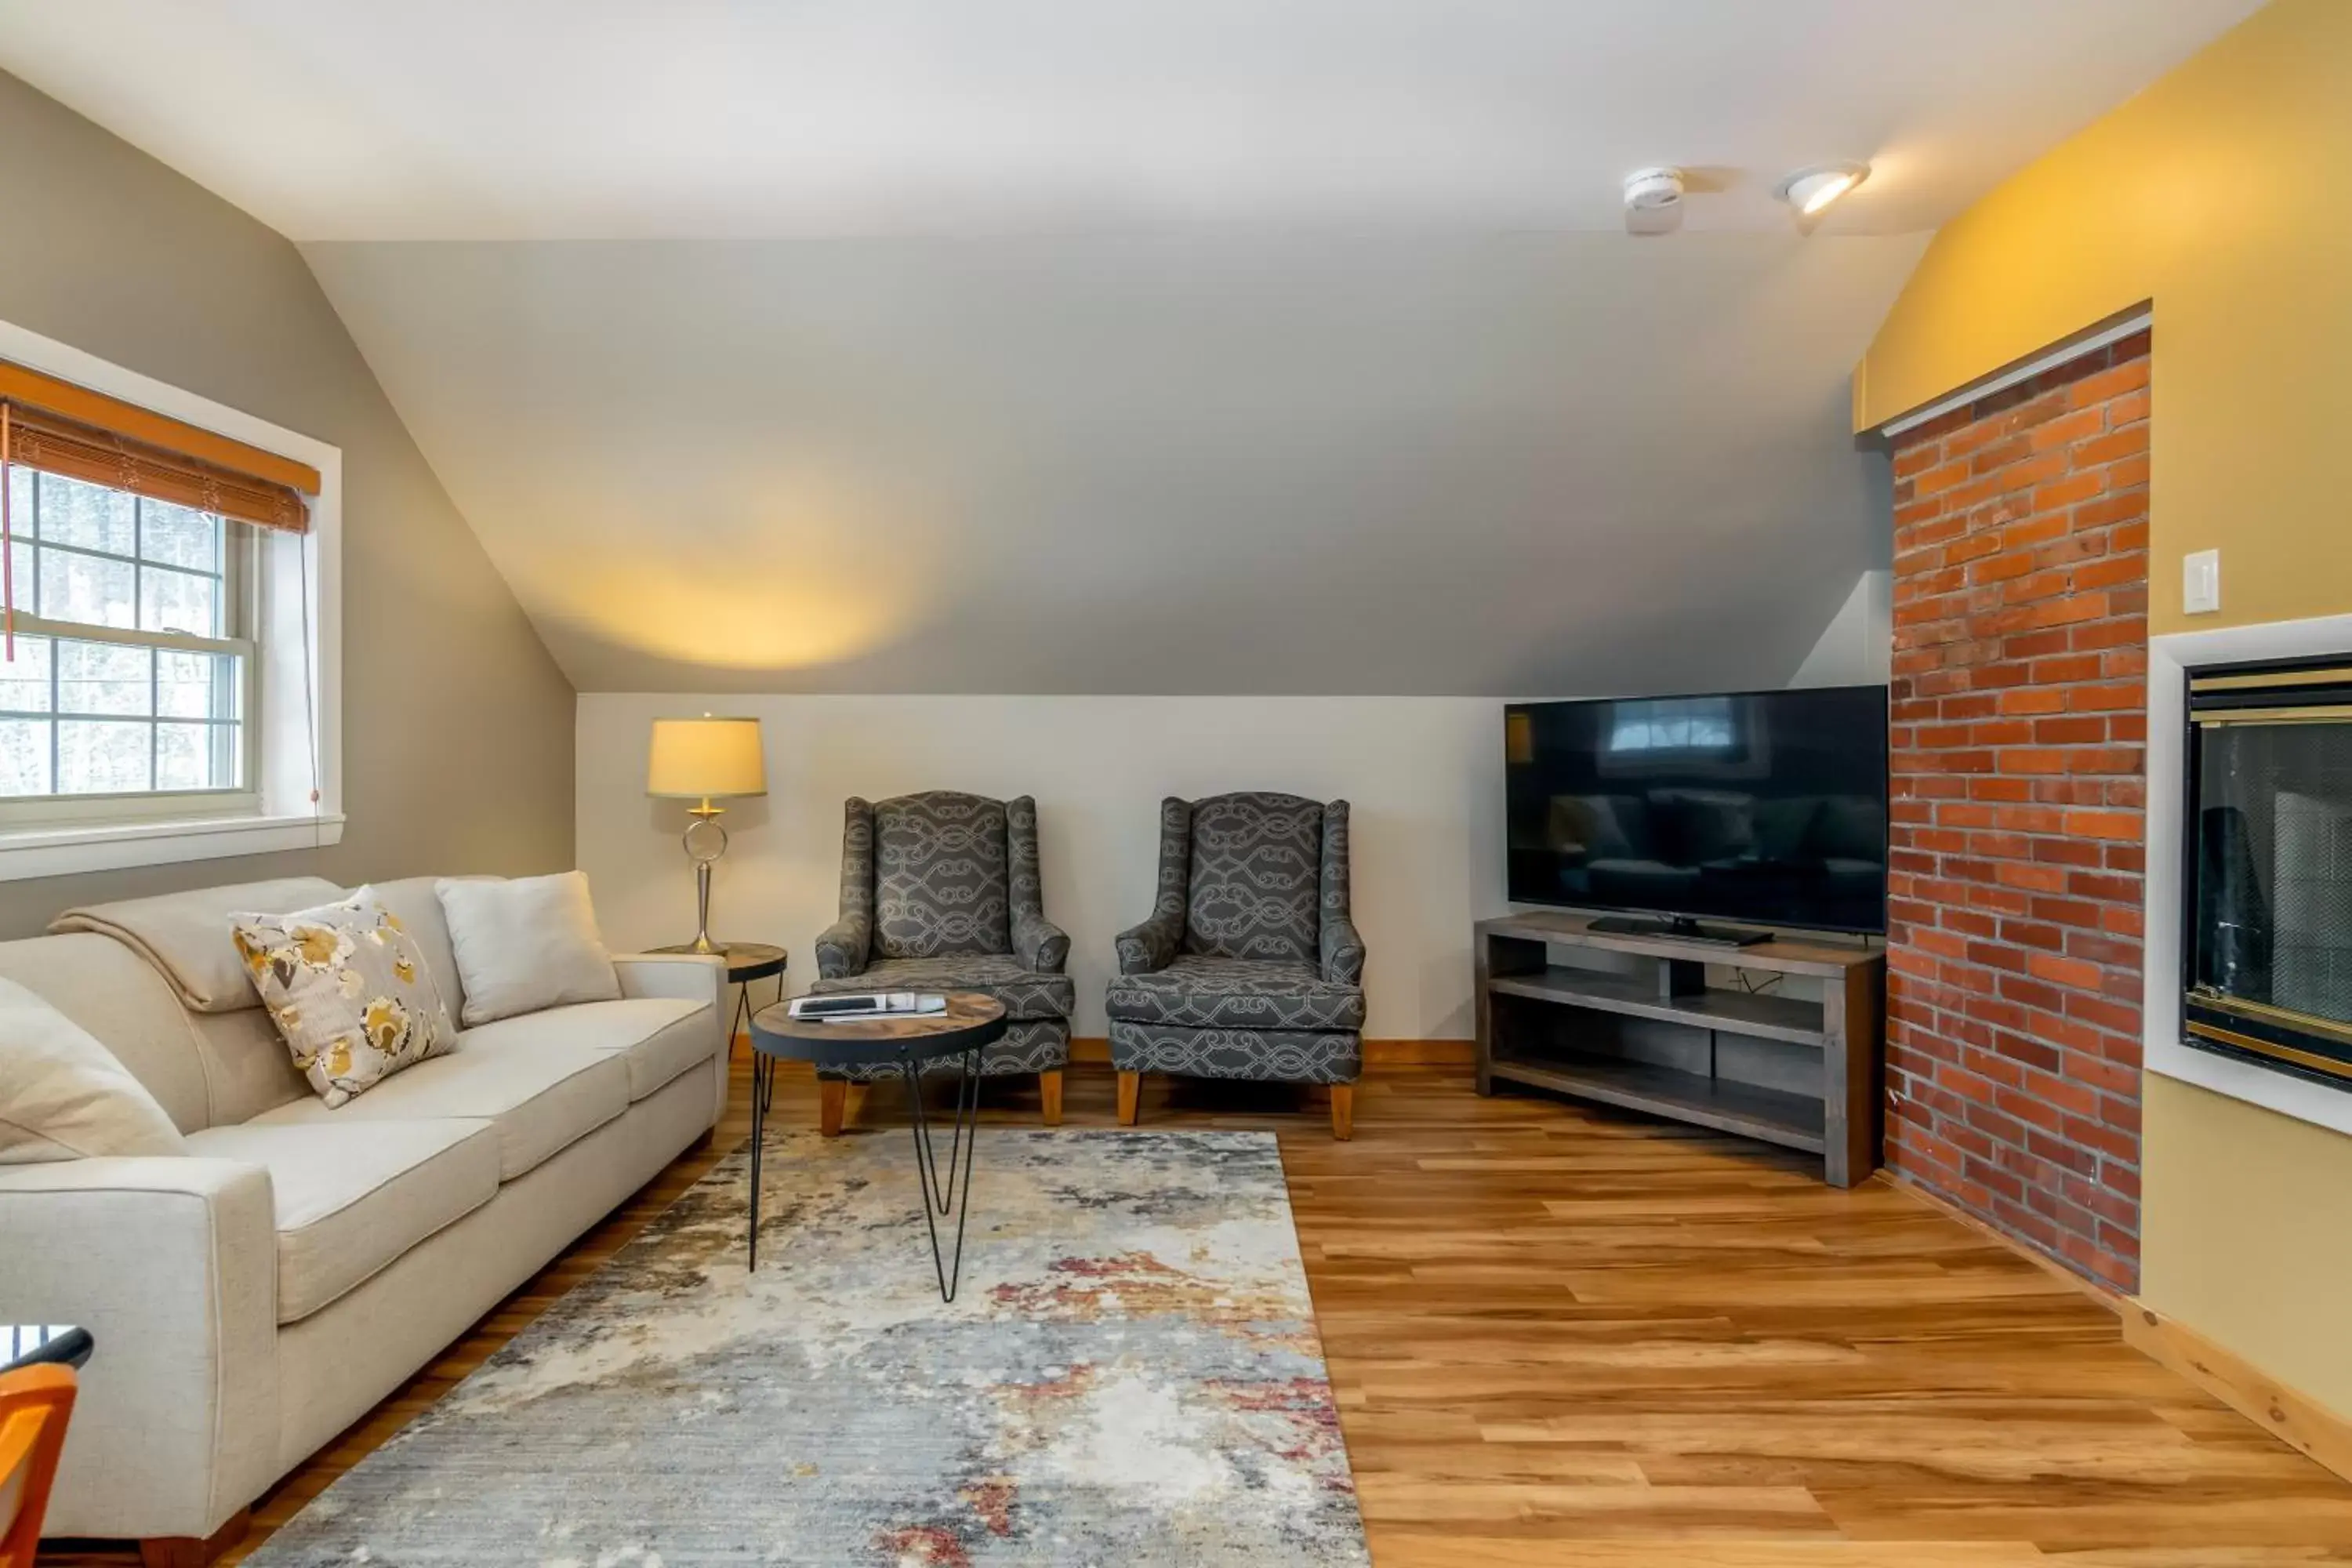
(2200, 583)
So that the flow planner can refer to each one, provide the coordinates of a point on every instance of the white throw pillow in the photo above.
(63, 1095)
(525, 945)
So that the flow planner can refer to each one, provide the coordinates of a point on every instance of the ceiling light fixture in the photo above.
(1810, 191)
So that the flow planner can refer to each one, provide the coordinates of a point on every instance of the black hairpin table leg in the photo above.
(763, 1074)
(944, 1196)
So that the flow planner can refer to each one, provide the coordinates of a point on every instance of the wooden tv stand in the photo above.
(1643, 1031)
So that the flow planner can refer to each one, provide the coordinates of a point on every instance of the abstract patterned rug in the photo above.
(1129, 1376)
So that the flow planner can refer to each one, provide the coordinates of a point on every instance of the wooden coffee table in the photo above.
(909, 1042)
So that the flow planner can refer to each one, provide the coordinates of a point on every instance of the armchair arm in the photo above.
(170, 1262)
(1148, 947)
(1042, 946)
(1343, 952)
(842, 947)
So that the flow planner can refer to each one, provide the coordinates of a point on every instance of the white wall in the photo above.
(1857, 648)
(1425, 775)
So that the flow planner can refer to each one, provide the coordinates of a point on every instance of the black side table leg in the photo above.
(946, 1195)
(763, 1077)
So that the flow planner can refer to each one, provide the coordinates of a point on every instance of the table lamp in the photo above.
(705, 759)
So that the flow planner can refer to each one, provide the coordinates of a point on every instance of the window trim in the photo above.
(276, 812)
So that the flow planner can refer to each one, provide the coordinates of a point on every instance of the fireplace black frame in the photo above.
(2303, 690)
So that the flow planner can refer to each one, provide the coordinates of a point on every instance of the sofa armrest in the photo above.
(686, 977)
(841, 949)
(1042, 947)
(170, 1262)
(1343, 952)
(1145, 948)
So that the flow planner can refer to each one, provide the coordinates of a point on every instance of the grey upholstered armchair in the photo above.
(1249, 967)
(939, 892)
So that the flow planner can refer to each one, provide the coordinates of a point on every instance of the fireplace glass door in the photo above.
(2269, 920)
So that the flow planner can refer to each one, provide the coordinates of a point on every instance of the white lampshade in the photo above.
(698, 759)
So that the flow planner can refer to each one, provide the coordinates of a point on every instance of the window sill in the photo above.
(63, 851)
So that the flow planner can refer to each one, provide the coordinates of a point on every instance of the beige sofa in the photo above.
(257, 1296)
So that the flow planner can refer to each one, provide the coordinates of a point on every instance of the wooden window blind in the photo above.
(61, 428)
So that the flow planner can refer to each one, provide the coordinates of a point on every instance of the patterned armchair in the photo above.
(1249, 967)
(939, 892)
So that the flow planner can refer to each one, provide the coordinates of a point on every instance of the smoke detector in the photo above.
(1654, 201)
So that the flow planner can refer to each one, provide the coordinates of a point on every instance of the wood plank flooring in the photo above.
(1559, 1335)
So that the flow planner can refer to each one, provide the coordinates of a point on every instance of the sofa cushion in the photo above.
(63, 1095)
(414, 902)
(540, 1095)
(352, 1197)
(117, 996)
(1025, 992)
(524, 945)
(941, 881)
(658, 1037)
(186, 935)
(1202, 992)
(348, 989)
(1258, 861)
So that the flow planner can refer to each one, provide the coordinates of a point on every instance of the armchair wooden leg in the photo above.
(1343, 1111)
(1049, 1095)
(1131, 1096)
(832, 1100)
(194, 1552)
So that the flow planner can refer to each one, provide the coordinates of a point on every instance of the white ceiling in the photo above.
(557, 119)
(1121, 345)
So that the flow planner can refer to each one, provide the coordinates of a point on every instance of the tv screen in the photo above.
(1767, 808)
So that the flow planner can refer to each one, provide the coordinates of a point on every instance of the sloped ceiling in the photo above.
(1151, 346)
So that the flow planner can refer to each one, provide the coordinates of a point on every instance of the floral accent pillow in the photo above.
(349, 990)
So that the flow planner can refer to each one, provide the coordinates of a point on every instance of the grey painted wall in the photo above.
(457, 727)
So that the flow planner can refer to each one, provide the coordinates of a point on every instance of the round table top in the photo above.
(971, 1019)
(745, 960)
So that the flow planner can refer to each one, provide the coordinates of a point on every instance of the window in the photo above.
(176, 574)
(133, 675)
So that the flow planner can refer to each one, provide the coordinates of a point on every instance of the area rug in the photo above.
(1129, 1376)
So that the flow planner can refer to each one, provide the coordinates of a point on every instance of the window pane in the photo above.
(195, 756)
(24, 684)
(87, 515)
(97, 678)
(178, 602)
(20, 560)
(20, 502)
(197, 685)
(102, 756)
(23, 755)
(85, 588)
(176, 536)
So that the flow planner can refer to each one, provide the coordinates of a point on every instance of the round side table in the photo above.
(907, 1041)
(746, 962)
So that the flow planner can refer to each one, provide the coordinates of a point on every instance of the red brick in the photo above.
(2018, 755)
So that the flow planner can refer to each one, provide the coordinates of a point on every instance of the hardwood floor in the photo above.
(1559, 1336)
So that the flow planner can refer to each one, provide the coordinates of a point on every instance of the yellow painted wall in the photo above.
(2222, 194)
(2247, 1233)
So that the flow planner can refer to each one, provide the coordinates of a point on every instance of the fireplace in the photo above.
(2266, 937)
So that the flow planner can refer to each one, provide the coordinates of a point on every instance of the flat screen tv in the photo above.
(1767, 808)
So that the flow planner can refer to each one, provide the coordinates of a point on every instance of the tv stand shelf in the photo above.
(1652, 1035)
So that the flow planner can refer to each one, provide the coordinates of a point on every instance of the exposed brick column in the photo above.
(2019, 750)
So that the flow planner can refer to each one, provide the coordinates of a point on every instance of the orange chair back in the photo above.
(35, 1404)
